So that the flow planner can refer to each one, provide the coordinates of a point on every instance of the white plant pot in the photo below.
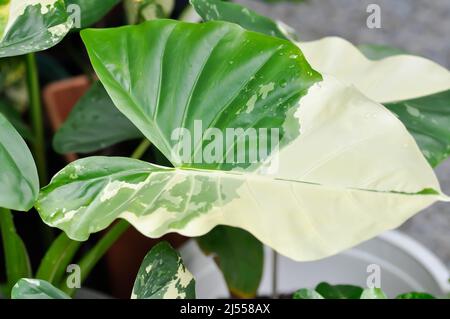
(405, 266)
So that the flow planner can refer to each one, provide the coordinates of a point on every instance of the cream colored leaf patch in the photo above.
(395, 78)
(353, 172)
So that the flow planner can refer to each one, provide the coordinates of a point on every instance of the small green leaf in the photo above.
(144, 10)
(19, 183)
(415, 295)
(91, 10)
(213, 10)
(307, 294)
(162, 275)
(373, 293)
(240, 257)
(93, 124)
(31, 25)
(339, 291)
(36, 289)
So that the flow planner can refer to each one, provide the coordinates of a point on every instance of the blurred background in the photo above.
(417, 26)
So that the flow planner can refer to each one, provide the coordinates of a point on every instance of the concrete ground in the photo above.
(420, 27)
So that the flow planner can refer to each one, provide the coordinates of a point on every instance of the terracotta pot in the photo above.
(59, 99)
(125, 256)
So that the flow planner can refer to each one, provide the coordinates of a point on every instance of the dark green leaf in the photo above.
(212, 10)
(240, 257)
(339, 291)
(19, 184)
(91, 11)
(93, 124)
(428, 120)
(36, 289)
(415, 295)
(162, 275)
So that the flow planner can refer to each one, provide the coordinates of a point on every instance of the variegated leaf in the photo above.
(352, 172)
(32, 25)
(162, 275)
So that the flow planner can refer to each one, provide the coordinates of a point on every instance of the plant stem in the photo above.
(57, 258)
(34, 94)
(16, 257)
(88, 261)
(141, 149)
(274, 274)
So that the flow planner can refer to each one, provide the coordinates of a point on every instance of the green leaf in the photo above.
(379, 52)
(240, 257)
(36, 289)
(32, 25)
(91, 11)
(415, 295)
(338, 291)
(14, 117)
(334, 144)
(306, 294)
(17, 263)
(19, 183)
(162, 275)
(153, 82)
(93, 124)
(428, 120)
(212, 10)
(373, 293)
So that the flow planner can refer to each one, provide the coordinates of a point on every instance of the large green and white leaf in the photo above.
(162, 275)
(19, 183)
(212, 10)
(415, 89)
(93, 124)
(240, 257)
(36, 289)
(90, 10)
(32, 25)
(161, 93)
(353, 172)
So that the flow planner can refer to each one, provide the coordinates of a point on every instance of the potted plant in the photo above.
(255, 138)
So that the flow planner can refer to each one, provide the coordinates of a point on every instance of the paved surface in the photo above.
(418, 26)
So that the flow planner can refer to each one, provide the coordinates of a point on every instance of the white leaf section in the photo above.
(396, 78)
